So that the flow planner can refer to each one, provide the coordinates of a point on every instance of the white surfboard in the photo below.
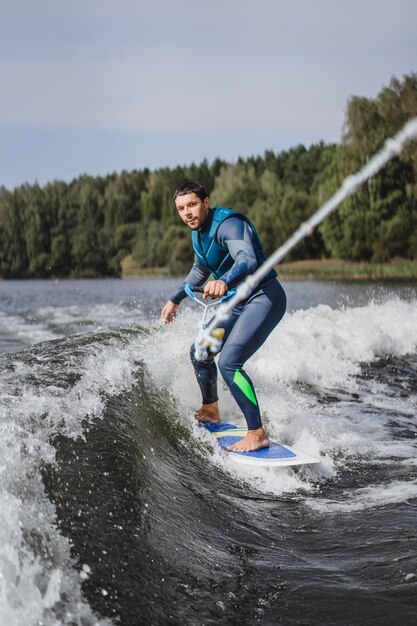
(278, 454)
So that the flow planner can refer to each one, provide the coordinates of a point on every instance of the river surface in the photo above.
(117, 509)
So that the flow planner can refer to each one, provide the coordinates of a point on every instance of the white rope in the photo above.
(391, 148)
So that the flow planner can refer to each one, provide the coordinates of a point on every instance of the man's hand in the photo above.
(169, 312)
(215, 289)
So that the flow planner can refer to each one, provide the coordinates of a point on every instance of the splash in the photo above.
(311, 385)
(45, 393)
(324, 384)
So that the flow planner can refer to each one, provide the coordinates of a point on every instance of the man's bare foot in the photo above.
(254, 440)
(208, 413)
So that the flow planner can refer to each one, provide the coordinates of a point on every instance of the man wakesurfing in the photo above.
(227, 247)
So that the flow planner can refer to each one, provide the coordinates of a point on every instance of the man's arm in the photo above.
(196, 277)
(236, 235)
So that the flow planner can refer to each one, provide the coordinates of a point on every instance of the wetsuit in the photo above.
(228, 248)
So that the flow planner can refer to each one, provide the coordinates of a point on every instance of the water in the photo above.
(117, 509)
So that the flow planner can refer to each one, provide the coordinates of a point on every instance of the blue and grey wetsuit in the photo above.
(228, 248)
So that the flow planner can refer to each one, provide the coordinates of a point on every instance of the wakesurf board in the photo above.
(278, 454)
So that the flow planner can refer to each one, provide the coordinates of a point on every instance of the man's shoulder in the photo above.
(222, 214)
(234, 227)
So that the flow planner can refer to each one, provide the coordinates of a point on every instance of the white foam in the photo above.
(46, 323)
(31, 412)
(25, 331)
(325, 347)
(97, 315)
(367, 498)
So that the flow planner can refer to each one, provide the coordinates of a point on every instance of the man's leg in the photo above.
(258, 318)
(206, 374)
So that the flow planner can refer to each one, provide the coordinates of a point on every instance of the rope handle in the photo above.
(190, 290)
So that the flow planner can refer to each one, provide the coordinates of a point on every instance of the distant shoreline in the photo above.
(336, 269)
(315, 269)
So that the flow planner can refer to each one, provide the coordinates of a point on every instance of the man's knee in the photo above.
(195, 361)
(228, 364)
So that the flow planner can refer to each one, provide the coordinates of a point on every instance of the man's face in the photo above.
(192, 210)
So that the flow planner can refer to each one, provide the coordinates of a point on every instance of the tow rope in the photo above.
(207, 339)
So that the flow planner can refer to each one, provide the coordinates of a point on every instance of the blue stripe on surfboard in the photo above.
(217, 428)
(275, 450)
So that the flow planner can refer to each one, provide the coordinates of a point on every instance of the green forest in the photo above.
(91, 226)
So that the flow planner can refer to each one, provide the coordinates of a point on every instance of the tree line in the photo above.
(87, 227)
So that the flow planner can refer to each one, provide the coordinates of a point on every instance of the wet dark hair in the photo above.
(190, 187)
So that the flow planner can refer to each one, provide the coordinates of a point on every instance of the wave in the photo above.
(48, 389)
(17, 332)
(116, 506)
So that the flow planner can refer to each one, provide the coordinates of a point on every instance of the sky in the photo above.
(98, 86)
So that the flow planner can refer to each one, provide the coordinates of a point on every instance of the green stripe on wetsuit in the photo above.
(245, 387)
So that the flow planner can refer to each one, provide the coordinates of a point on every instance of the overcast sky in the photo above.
(97, 86)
